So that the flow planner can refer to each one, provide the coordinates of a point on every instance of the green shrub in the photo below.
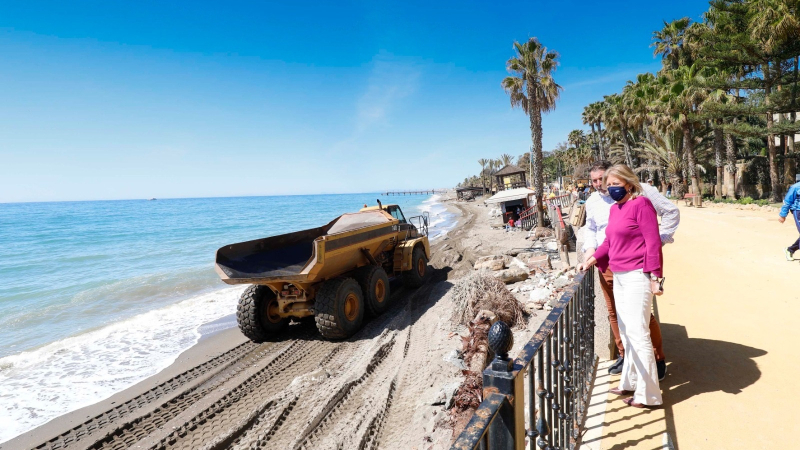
(741, 201)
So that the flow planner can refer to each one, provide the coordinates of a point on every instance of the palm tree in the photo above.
(665, 152)
(638, 97)
(533, 88)
(617, 114)
(715, 98)
(589, 118)
(577, 138)
(668, 42)
(506, 159)
(773, 23)
(598, 111)
(483, 162)
(685, 93)
(494, 165)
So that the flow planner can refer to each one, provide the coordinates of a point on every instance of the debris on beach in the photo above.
(476, 355)
(480, 290)
(529, 274)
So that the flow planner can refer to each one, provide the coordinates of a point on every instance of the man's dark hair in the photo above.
(600, 165)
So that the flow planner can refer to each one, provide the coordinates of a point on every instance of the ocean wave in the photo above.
(441, 221)
(39, 385)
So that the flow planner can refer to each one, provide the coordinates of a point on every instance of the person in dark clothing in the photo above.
(791, 204)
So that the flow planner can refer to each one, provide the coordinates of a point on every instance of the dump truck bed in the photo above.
(301, 256)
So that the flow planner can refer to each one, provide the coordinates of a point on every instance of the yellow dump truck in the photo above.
(335, 272)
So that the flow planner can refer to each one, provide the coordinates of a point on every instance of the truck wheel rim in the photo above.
(421, 267)
(351, 307)
(380, 291)
(273, 312)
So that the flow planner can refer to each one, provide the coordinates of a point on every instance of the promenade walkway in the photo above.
(729, 317)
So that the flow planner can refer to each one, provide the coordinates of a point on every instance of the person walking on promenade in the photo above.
(632, 250)
(598, 208)
(791, 203)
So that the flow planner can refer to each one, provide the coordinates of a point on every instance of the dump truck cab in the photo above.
(413, 227)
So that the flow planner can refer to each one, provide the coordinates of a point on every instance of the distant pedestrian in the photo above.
(510, 225)
(792, 204)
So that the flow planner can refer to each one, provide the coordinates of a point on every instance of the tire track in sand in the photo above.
(131, 432)
(113, 416)
(219, 418)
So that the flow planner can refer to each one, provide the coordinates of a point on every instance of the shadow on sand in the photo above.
(408, 305)
(700, 366)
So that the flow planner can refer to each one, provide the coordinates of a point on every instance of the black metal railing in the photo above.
(540, 397)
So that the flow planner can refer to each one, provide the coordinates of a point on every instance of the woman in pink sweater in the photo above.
(632, 249)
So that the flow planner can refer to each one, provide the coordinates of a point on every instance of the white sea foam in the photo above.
(441, 220)
(39, 385)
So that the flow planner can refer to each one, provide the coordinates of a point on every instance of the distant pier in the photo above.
(424, 192)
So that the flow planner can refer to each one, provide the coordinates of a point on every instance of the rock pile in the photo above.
(531, 275)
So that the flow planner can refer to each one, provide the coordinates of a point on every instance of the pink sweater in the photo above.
(632, 240)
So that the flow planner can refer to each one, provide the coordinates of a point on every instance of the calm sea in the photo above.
(96, 296)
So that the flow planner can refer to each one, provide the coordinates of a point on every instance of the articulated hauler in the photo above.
(334, 273)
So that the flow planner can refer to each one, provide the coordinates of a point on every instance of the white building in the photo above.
(786, 118)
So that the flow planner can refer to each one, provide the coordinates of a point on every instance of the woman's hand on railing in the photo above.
(584, 266)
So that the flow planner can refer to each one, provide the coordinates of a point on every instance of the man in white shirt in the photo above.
(598, 208)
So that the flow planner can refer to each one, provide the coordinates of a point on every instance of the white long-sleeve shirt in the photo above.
(598, 207)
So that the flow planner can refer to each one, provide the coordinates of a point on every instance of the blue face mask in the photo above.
(617, 192)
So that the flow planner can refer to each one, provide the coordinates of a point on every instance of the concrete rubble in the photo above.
(529, 275)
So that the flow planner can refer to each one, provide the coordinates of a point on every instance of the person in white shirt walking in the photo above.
(598, 208)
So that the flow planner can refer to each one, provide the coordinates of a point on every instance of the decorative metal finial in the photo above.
(501, 339)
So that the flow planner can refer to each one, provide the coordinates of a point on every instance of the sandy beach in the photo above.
(373, 390)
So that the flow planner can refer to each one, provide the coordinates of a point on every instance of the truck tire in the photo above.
(339, 308)
(375, 286)
(418, 274)
(253, 313)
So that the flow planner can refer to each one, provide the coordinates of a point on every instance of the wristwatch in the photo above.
(653, 277)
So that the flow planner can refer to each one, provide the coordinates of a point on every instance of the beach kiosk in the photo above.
(510, 177)
(511, 199)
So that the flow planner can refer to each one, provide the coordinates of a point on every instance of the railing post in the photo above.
(507, 431)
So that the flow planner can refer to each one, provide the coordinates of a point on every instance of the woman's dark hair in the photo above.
(600, 165)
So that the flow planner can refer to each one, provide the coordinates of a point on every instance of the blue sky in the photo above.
(112, 100)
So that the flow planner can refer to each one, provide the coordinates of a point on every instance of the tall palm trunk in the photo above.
(789, 164)
(691, 162)
(719, 143)
(626, 144)
(662, 177)
(595, 140)
(535, 115)
(600, 139)
(775, 182)
(730, 166)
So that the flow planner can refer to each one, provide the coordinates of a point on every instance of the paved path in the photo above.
(730, 323)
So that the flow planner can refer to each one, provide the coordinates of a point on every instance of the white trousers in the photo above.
(634, 300)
